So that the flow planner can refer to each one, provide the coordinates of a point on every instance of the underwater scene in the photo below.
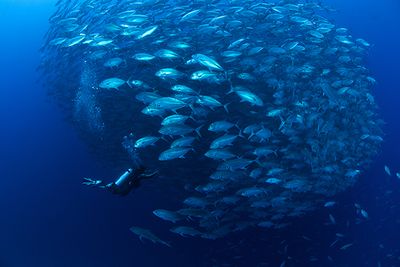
(200, 133)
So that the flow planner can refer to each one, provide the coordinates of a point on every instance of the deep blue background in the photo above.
(48, 219)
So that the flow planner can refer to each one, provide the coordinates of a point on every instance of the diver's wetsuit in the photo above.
(129, 180)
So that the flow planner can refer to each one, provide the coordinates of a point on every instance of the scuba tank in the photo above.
(126, 182)
(124, 178)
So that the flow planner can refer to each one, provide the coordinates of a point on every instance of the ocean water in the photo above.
(49, 219)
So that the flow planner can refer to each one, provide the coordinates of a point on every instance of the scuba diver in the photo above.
(129, 180)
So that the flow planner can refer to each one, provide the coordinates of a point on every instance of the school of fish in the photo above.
(258, 110)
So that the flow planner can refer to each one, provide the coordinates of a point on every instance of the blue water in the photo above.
(48, 219)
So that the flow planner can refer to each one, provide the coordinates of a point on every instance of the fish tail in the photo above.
(198, 130)
(226, 107)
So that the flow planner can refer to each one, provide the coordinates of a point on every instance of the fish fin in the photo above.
(241, 134)
(237, 126)
(251, 135)
(226, 107)
(282, 124)
(257, 160)
(191, 115)
(128, 82)
(198, 130)
(230, 84)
